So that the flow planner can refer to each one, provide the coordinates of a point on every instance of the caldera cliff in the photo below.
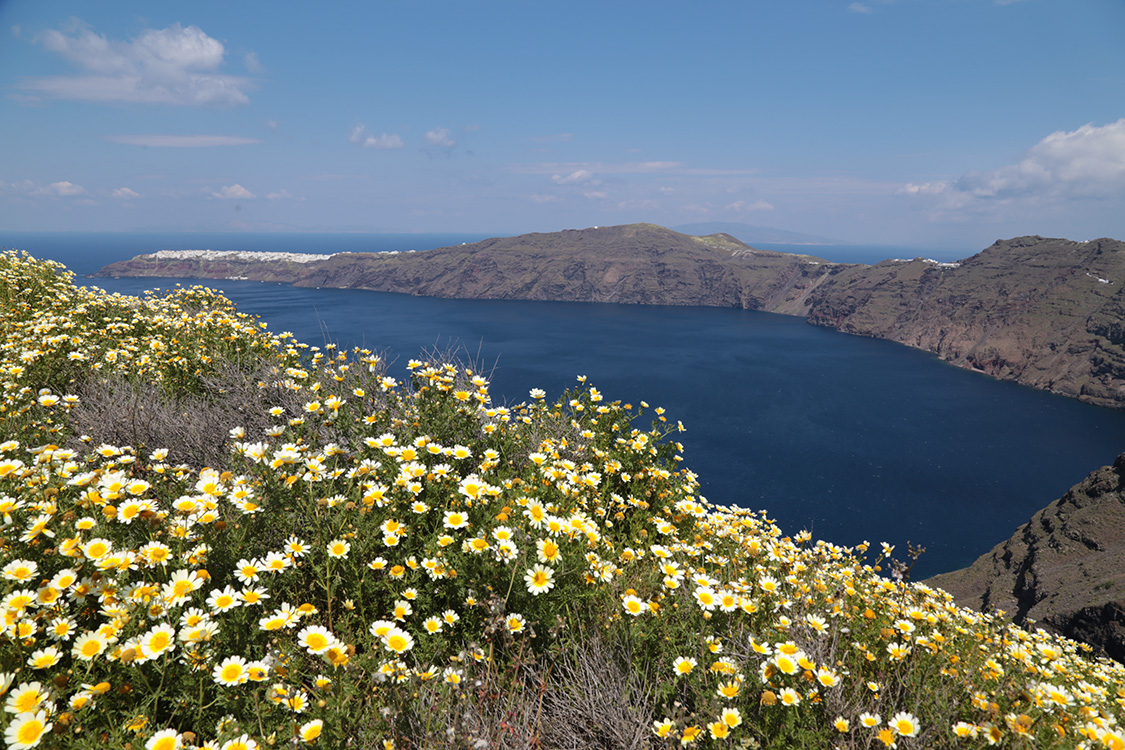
(1044, 312)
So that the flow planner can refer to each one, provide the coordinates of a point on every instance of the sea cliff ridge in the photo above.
(1043, 312)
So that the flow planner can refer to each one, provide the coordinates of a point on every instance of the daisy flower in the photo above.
(26, 698)
(222, 600)
(398, 640)
(904, 724)
(316, 639)
(231, 671)
(310, 731)
(633, 605)
(455, 520)
(26, 730)
(165, 739)
(539, 579)
(547, 551)
(247, 571)
(683, 665)
(158, 640)
(87, 646)
(44, 658)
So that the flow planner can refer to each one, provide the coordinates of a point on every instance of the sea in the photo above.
(851, 438)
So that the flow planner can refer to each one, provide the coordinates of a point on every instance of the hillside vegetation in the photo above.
(215, 536)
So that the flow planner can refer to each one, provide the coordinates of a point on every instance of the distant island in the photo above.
(1049, 313)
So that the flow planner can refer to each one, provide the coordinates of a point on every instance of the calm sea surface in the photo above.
(849, 437)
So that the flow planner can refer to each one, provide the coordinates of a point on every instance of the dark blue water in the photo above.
(849, 437)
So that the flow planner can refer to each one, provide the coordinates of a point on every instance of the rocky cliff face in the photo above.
(1064, 569)
(631, 264)
(1045, 312)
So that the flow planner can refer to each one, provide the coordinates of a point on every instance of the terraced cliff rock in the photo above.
(1064, 569)
(1044, 312)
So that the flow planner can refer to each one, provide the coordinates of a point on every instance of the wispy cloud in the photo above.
(174, 65)
(232, 192)
(182, 141)
(253, 64)
(1077, 165)
(125, 193)
(859, 8)
(572, 168)
(747, 207)
(62, 189)
(577, 177)
(440, 138)
(360, 135)
(553, 138)
(66, 188)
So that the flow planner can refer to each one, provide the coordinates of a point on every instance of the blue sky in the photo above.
(917, 122)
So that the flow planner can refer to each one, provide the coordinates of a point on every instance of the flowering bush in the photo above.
(372, 563)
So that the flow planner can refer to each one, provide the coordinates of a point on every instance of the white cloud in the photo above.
(233, 192)
(182, 141)
(577, 177)
(859, 8)
(253, 64)
(65, 188)
(744, 207)
(440, 138)
(279, 195)
(383, 141)
(125, 193)
(633, 167)
(1085, 163)
(174, 65)
(360, 135)
(596, 194)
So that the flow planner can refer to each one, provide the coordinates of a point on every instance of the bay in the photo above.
(852, 438)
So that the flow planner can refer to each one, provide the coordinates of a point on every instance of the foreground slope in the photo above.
(372, 563)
